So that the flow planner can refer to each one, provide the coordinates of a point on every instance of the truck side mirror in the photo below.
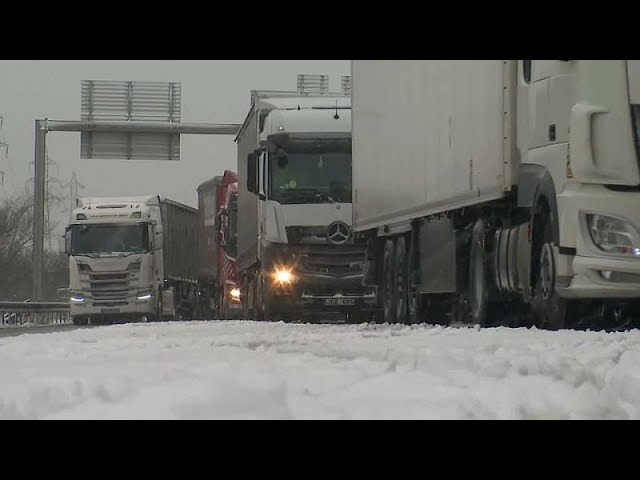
(252, 173)
(151, 237)
(67, 241)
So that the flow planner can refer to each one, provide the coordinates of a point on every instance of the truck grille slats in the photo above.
(341, 260)
(109, 289)
(108, 286)
(103, 277)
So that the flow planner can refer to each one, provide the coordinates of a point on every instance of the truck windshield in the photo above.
(96, 239)
(297, 177)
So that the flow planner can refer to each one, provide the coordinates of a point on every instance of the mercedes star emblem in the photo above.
(338, 233)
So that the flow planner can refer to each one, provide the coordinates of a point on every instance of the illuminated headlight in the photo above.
(614, 235)
(144, 296)
(78, 299)
(283, 276)
(235, 293)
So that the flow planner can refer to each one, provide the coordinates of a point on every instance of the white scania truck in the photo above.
(132, 258)
(296, 252)
(487, 187)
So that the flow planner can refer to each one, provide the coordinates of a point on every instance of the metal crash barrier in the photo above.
(34, 313)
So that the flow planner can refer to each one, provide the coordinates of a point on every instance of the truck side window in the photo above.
(526, 70)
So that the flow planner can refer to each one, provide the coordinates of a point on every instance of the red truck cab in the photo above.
(218, 207)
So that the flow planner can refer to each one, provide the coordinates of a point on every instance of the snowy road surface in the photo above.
(245, 370)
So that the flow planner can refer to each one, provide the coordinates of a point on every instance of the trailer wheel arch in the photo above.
(535, 187)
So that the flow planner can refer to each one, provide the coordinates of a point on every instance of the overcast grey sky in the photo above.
(213, 91)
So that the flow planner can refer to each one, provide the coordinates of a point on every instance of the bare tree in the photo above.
(16, 226)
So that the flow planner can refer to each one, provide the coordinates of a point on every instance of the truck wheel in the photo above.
(221, 313)
(401, 280)
(80, 320)
(245, 296)
(388, 290)
(159, 317)
(415, 300)
(478, 276)
(415, 306)
(549, 310)
(260, 309)
(358, 317)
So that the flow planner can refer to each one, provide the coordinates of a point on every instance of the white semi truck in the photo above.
(296, 251)
(132, 258)
(487, 187)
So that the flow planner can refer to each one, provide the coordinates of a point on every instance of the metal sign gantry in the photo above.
(42, 127)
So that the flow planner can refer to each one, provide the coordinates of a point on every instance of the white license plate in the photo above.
(340, 302)
(110, 310)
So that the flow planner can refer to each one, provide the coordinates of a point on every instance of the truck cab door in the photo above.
(552, 95)
(547, 92)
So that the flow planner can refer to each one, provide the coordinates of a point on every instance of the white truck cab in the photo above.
(116, 250)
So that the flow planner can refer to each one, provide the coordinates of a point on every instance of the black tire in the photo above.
(388, 283)
(479, 281)
(548, 309)
(401, 276)
(415, 307)
(159, 317)
(356, 318)
(223, 310)
(80, 320)
(260, 307)
(415, 300)
(245, 297)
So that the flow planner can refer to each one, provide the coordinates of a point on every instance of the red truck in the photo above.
(218, 220)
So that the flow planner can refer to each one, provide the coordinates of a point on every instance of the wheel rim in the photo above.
(549, 309)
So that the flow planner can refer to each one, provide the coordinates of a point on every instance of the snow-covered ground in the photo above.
(244, 370)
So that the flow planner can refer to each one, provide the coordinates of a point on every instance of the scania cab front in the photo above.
(112, 264)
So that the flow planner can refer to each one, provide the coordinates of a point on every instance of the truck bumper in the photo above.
(319, 304)
(319, 293)
(602, 278)
(133, 307)
(592, 273)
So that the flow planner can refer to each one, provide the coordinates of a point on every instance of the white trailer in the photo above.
(499, 184)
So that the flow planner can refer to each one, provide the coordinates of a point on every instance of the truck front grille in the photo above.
(340, 261)
(110, 287)
(104, 277)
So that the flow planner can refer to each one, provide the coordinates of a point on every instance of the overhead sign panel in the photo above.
(115, 101)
